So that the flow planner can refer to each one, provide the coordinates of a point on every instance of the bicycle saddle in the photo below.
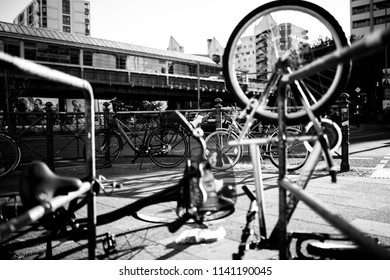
(38, 184)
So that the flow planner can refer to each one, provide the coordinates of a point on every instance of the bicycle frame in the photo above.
(279, 238)
(120, 126)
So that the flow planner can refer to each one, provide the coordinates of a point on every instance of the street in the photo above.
(369, 146)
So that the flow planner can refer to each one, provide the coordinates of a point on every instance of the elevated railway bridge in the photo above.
(129, 72)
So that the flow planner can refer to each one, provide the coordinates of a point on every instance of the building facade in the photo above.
(255, 56)
(71, 16)
(129, 72)
(368, 16)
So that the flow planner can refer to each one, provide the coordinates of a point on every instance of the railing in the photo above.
(64, 138)
(53, 136)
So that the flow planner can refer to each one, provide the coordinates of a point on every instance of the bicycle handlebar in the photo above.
(44, 192)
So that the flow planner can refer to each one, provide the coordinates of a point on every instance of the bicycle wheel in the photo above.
(159, 208)
(299, 32)
(217, 143)
(167, 147)
(108, 148)
(10, 155)
(296, 151)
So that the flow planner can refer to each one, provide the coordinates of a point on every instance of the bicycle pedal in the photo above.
(109, 243)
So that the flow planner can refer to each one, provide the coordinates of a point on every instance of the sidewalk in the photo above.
(361, 200)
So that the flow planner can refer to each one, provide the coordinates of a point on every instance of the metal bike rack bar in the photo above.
(60, 77)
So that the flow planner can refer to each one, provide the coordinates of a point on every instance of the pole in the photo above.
(282, 109)
(198, 73)
(344, 107)
(50, 135)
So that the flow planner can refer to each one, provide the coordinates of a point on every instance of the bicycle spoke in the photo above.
(167, 147)
(277, 36)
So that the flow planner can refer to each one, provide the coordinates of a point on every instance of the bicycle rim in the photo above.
(167, 147)
(266, 34)
(217, 145)
(107, 149)
(10, 155)
(296, 151)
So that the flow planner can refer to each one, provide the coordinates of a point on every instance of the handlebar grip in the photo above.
(174, 226)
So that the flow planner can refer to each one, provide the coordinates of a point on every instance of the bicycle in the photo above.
(198, 197)
(295, 80)
(228, 156)
(10, 155)
(165, 145)
(52, 200)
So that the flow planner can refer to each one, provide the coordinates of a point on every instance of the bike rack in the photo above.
(60, 77)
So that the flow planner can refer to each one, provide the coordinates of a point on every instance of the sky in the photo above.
(150, 23)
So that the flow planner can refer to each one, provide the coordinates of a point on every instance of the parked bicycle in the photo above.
(51, 200)
(295, 80)
(166, 145)
(200, 196)
(228, 156)
(10, 155)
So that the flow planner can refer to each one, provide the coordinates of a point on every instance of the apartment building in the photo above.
(369, 15)
(71, 16)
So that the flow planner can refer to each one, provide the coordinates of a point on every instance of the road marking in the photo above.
(361, 158)
(380, 170)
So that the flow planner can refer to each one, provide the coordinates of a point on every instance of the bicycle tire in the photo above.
(167, 146)
(10, 155)
(321, 89)
(226, 156)
(166, 206)
(296, 151)
(108, 148)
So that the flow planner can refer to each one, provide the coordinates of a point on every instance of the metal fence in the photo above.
(55, 137)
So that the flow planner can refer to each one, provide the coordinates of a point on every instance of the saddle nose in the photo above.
(38, 184)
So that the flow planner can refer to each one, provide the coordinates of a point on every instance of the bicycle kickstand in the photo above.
(248, 230)
(137, 155)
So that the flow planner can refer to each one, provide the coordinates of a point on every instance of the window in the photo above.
(87, 31)
(30, 19)
(66, 7)
(44, 11)
(66, 29)
(66, 20)
(121, 61)
(87, 58)
(30, 51)
(150, 65)
(21, 18)
(30, 8)
(86, 9)
(44, 22)
(381, 20)
(12, 47)
(361, 9)
(51, 53)
(361, 23)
